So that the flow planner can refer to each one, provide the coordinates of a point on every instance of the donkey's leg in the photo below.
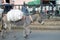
(4, 30)
(4, 25)
(26, 28)
(25, 32)
(9, 26)
(4, 21)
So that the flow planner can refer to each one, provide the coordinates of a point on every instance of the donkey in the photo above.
(12, 16)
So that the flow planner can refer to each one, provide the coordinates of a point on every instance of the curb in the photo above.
(37, 28)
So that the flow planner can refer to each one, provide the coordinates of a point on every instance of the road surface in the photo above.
(35, 35)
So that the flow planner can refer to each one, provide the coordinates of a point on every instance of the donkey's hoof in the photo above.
(26, 36)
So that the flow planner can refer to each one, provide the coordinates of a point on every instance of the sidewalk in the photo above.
(48, 25)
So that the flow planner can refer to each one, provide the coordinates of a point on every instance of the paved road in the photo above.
(35, 35)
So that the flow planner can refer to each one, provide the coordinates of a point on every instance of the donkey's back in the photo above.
(14, 15)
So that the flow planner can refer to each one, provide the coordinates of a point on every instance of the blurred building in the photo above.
(20, 2)
(15, 2)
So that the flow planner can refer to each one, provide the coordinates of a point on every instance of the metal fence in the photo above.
(51, 10)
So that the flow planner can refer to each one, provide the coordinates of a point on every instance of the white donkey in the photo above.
(15, 15)
(12, 15)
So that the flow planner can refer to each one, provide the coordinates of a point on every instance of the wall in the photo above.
(20, 2)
